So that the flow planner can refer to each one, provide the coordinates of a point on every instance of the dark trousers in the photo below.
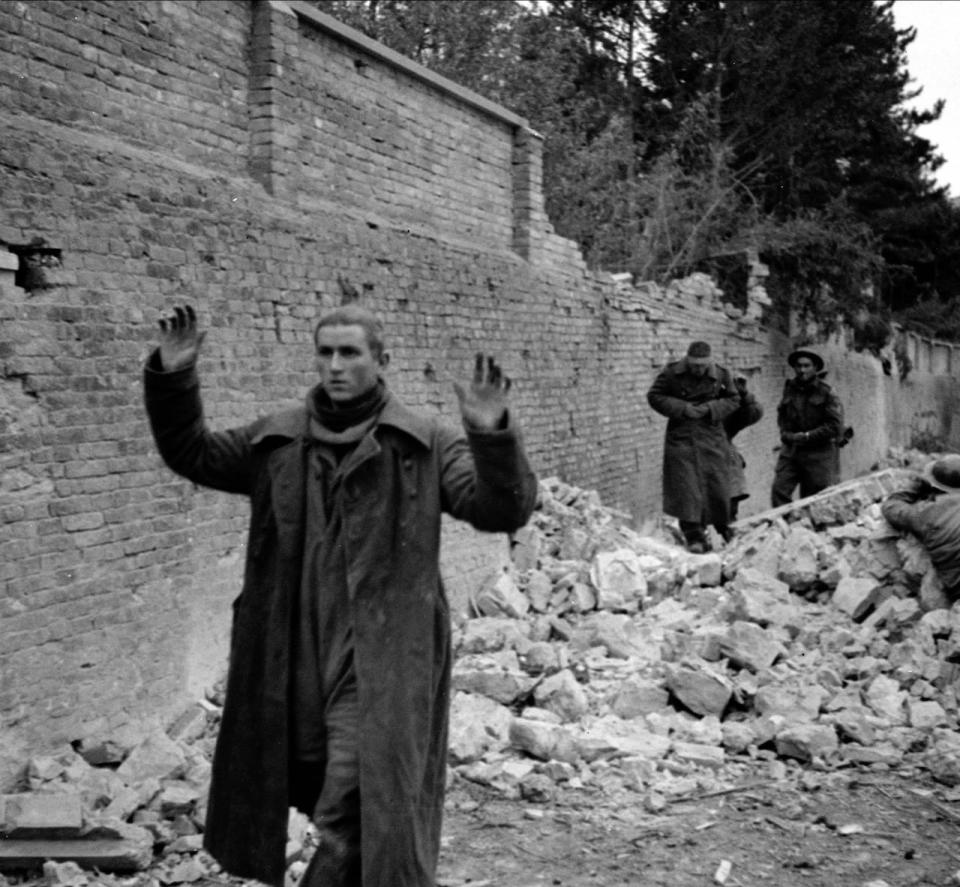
(328, 791)
(812, 470)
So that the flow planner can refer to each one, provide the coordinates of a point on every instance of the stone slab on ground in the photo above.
(40, 815)
(126, 855)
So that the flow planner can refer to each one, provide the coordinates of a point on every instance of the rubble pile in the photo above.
(110, 809)
(818, 637)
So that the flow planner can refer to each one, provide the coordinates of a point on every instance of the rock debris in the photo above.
(817, 641)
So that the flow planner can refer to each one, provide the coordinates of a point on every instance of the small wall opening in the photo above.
(37, 260)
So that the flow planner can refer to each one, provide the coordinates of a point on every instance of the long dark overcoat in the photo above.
(697, 454)
(410, 469)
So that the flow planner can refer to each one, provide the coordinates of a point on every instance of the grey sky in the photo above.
(934, 63)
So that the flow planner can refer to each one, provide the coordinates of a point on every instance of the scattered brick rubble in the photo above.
(817, 640)
(818, 637)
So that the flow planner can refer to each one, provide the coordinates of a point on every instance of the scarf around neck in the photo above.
(347, 416)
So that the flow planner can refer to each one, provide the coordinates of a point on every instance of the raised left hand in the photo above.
(483, 404)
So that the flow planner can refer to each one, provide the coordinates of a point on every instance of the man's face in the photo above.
(347, 366)
(698, 365)
(805, 369)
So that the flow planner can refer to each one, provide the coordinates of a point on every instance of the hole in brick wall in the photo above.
(348, 292)
(36, 260)
(26, 383)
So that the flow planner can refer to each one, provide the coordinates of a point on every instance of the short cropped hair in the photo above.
(355, 315)
(698, 349)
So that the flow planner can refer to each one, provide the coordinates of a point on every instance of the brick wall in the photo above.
(236, 156)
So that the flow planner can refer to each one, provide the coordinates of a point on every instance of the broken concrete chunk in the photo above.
(98, 786)
(505, 776)
(738, 736)
(500, 596)
(477, 725)
(622, 638)
(541, 657)
(862, 668)
(64, 874)
(700, 688)
(540, 739)
(526, 546)
(104, 752)
(562, 694)
(485, 676)
(183, 871)
(806, 741)
(582, 598)
(799, 704)
(925, 715)
(594, 747)
(705, 570)
(539, 590)
(759, 549)
(637, 697)
(886, 698)
(618, 579)
(40, 815)
(132, 853)
(577, 544)
(878, 754)
(696, 753)
(177, 797)
(487, 634)
(190, 725)
(124, 803)
(854, 724)
(158, 756)
(43, 769)
(537, 788)
(747, 645)
(943, 759)
(855, 596)
(628, 738)
(799, 565)
(893, 611)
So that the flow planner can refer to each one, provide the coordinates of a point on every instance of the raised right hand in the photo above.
(180, 340)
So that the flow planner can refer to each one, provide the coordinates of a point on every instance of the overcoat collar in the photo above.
(292, 423)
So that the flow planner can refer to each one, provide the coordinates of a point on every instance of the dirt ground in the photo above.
(843, 829)
(846, 828)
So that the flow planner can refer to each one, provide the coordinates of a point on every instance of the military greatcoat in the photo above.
(697, 453)
(407, 470)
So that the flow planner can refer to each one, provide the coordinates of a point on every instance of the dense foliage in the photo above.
(679, 131)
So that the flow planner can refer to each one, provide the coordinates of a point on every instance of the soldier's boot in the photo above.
(335, 863)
